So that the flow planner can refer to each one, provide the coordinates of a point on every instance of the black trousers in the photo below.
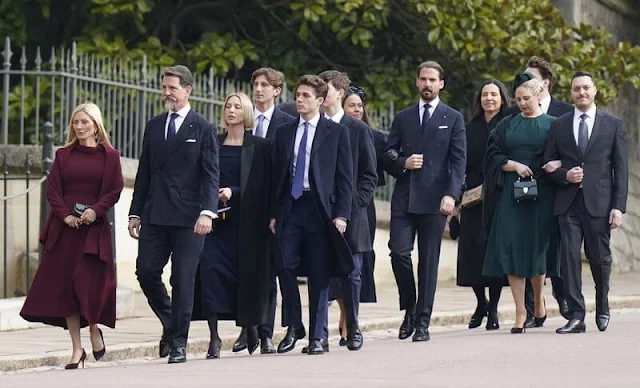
(576, 226)
(403, 229)
(155, 245)
(266, 328)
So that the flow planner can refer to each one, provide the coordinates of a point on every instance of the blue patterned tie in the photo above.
(298, 176)
(260, 127)
(171, 130)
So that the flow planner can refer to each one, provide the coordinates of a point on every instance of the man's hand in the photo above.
(272, 226)
(551, 166)
(615, 218)
(447, 204)
(340, 224)
(72, 221)
(134, 227)
(88, 216)
(224, 194)
(575, 175)
(414, 162)
(203, 225)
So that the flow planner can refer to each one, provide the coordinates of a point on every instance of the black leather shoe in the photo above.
(177, 356)
(406, 329)
(325, 347)
(421, 334)
(355, 340)
(602, 321)
(241, 342)
(164, 348)
(573, 326)
(492, 321)
(342, 342)
(539, 322)
(289, 341)
(478, 315)
(266, 346)
(253, 341)
(563, 307)
(529, 323)
(315, 348)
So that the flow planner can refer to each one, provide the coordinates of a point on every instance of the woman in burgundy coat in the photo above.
(75, 284)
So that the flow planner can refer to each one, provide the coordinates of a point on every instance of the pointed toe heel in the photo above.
(74, 365)
(100, 353)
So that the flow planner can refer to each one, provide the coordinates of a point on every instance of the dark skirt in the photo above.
(68, 282)
(471, 248)
(218, 272)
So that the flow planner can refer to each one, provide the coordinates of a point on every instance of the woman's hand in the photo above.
(88, 216)
(72, 221)
(551, 166)
(224, 194)
(523, 170)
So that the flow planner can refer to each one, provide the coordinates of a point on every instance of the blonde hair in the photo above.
(92, 110)
(247, 109)
(533, 85)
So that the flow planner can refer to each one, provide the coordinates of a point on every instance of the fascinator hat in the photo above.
(520, 79)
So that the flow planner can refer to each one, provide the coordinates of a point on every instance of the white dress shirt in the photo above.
(311, 132)
(182, 114)
(337, 117)
(265, 122)
(591, 115)
(545, 103)
(433, 105)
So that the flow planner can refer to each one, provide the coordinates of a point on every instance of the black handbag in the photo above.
(525, 191)
(79, 208)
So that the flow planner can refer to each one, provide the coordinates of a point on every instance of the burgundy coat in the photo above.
(99, 241)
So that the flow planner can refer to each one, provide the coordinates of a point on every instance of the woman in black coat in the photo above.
(234, 270)
(490, 104)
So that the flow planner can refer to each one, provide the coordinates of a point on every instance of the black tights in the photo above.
(212, 320)
(495, 289)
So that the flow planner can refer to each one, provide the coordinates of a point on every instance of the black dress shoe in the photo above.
(325, 347)
(241, 342)
(563, 307)
(573, 326)
(478, 315)
(602, 321)
(342, 342)
(492, 321)
(164, 348)
(253, 341)
(355, 340)
(530, 322)
(289, 341)
(406, 329)
(421, 334)
(266, 346)
(177, 356)
(315, 348)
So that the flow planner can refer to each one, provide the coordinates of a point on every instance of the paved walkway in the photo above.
(138, 337)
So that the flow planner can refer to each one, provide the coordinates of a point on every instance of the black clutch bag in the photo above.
(525, 191)
(79, 208)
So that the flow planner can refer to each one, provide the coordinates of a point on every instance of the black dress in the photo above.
(471, 244)
(220, 258)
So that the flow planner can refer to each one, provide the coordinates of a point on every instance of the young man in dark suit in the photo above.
(267, 85)
(313, 180)
(365, 178)
(426, 152)
(175, 200)
(543, 72)
(592, 195)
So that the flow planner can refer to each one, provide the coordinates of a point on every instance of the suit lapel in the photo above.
(569, 128)
(416, 136)
(434, 122)
(322, 133)
(185, 129)
(598, 125)
(246, 160)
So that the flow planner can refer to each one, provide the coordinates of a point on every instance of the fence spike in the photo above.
(143, 71)
(74, 58)
(23, 59)
(6, 54)
(38, 60)
(52, 61)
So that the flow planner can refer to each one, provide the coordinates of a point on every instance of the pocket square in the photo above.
(443, 127)
(190, 141)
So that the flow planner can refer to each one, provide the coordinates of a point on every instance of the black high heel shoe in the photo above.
(75, 364)
(214, 349)
(518, 330)
(478, 315)
(492, 321)
(343, 341)
(252, 339)
(100, 353)
(538, 322)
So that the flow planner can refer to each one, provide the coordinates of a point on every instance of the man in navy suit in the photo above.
(591, 198)
(365, 178)
(175, 200)
(543, 72)
(426, 152)
(267, 86)
(313, 180)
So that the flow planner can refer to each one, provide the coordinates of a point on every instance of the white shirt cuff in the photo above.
(209, 213)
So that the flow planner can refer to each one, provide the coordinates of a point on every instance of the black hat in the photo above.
(520, 79)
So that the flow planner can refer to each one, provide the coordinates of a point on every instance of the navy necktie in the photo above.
(425, 117)
(171, 130)
(298, 176)
(583, 134)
